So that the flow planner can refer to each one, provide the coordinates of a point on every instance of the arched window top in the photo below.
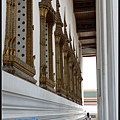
(50, 17)
(47, 10)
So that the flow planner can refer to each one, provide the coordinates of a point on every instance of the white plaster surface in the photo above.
(21, 99)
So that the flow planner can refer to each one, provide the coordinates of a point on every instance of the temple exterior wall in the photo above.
(23, 100)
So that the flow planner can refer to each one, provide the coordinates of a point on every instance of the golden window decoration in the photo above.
(47, 20)
(18, 56)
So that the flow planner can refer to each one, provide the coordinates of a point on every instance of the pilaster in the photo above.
(29, 35)
(65, 72)
(58, 72)
(68, 78)
(43, 79)
(59, 41)
(70, 67)
(50, 27)
(7, 35)
(47, 15)
(75, 83)
(61, 64)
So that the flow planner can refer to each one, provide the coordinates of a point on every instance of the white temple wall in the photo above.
(22, 100)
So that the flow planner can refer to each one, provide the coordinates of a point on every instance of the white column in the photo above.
(107, 41)
(98, 59)
(102, 61)
(112, 33)
(104, 77)
(115, 47)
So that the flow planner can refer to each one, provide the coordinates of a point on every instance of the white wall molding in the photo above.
(21, 99)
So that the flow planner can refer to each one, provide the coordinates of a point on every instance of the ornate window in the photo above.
(18, 56)
(71, 65)
(66, 49)
(62, 62)
(59, 42)
(47, 20)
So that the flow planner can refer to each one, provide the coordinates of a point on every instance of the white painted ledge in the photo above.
(21, 99)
